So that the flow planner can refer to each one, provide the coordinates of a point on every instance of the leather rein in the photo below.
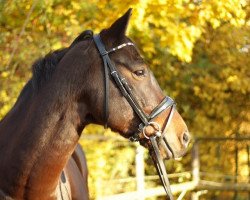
(146, 120)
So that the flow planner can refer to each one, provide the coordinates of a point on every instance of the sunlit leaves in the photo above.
(212, 36)
(179, 24)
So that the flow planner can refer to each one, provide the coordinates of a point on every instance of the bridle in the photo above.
(146, 120)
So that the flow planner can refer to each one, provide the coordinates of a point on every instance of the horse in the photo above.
(70, 88)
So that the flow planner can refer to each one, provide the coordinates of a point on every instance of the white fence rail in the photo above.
(153, 192)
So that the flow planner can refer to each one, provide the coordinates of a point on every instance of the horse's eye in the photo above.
(139, 73)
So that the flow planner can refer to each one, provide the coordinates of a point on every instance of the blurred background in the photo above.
(199, 51)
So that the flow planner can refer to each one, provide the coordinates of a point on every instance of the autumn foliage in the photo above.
(198, 50)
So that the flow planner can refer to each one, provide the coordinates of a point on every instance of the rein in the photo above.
(146, 120)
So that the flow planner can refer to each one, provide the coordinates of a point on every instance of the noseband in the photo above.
(146, 120)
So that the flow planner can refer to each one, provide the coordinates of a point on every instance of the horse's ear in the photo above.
(118, 29)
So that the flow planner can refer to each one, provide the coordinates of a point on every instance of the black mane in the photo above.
(43, 68)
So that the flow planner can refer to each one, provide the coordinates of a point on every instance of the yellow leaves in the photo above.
(182, 41)
(170, 21)
(215, 23)
(41, 28)
(61, 10)
(191, 6)
(73, 20)
(56, 45)
(139, 16)
(49, 10)
(5, 74)
(28, 6)
(196, 90)
(4, 96)
(76, 5)
(177, 23)
(4, 99)
(149, 48)
(217, 12)
(232, 79)
(220, 83)
(10, 87)
(237, 22)
(167, 31)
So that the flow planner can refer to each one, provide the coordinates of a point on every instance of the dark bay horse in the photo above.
(39, 154)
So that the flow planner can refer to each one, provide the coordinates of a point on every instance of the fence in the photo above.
(227, 182)
(197, 182)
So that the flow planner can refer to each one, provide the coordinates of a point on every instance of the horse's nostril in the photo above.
(185, 138)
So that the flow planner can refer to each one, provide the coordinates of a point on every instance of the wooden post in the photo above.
(139, 162)
(248, 163)
(98, 188)
(195, 168)
(236, 165)
(195, 163)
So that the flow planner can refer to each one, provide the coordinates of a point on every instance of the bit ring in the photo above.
(156, 126)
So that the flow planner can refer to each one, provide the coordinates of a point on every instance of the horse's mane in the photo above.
(44, 67)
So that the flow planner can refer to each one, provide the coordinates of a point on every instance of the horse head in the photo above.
(110, 106)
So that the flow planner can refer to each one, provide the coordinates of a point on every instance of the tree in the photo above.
(199, 51)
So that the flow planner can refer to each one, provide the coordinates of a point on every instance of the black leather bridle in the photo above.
(146, 120)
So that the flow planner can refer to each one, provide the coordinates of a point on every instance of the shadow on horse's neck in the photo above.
(37, 138)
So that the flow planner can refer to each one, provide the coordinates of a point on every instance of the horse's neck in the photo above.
(36, 140)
